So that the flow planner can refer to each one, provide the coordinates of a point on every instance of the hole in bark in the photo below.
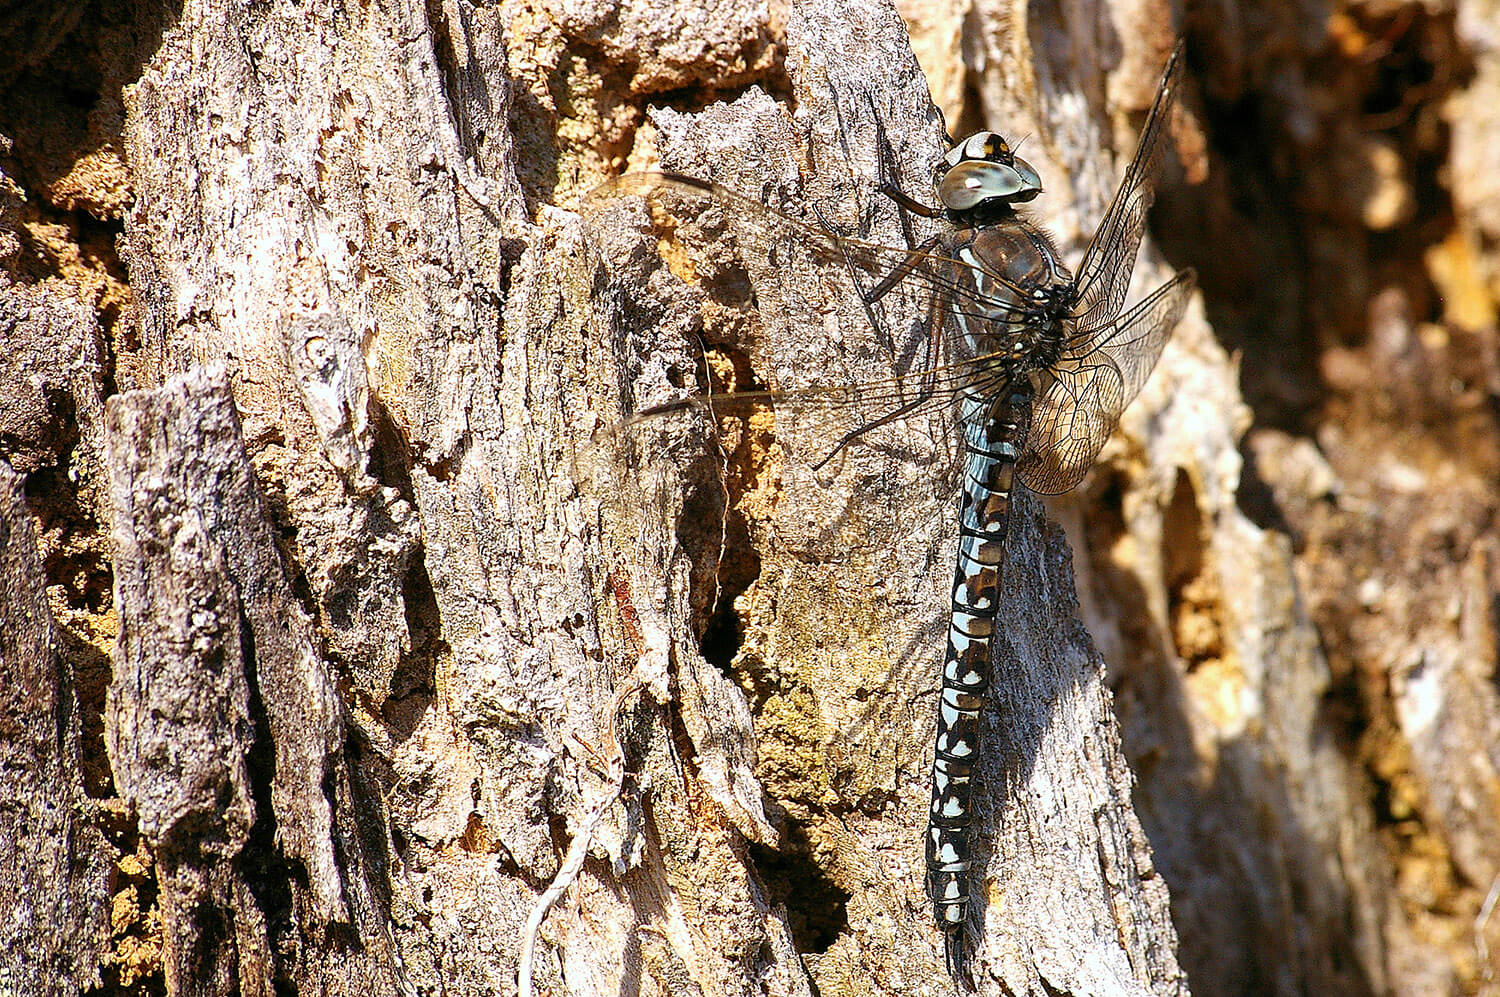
(1116, 566)
(716, 542)
(817, 908)
(1182, 536)
(721, 516)
(133, 967)
(1331, 164)
(60, 110)
(413, 681)
(390, 458)
(79, 576)
(725, 630)
(91, 677)
(1194, 605)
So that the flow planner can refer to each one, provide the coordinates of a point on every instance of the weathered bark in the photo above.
(55, 864)
(390, 643)
(538, 607)
(840, 658)
(223, 724)
(1218, 676)
(1361, 873)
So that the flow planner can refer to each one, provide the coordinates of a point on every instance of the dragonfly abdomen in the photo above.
(992, 430)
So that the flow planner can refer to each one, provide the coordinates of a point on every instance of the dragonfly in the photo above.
(1030, 364)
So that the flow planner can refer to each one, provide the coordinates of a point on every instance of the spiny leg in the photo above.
(906, 205)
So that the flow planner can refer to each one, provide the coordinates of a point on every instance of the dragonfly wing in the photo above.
(828, 417)
(1078, 408)
(837, 475)
(1104, 274)
(762, 235)
(1069, 424)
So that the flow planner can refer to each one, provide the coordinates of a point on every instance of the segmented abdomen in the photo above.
(991, 440)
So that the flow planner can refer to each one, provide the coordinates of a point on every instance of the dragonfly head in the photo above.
(982, 168)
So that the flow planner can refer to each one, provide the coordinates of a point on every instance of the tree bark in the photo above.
(840, 658)
(535, 601)
(224, 726)
(58, 846)
(55, 864)
(410, 672)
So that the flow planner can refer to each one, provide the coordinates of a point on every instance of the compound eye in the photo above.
(982, 168)
(971, 183)
(980, 145)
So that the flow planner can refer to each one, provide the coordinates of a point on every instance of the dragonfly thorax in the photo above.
(1017, 293)
(1018, 347)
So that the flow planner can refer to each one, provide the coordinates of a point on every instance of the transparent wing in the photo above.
(761, 233)
(1079, 406)
(879, 458)
(878, 432)
(1104, 274)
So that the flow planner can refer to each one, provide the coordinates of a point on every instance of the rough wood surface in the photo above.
(533, 599)
(841, 636)
(438, 636)
(55, 865)
(224, 728)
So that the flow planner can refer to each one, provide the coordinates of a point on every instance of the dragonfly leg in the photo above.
(869, 297)
(906, 266)
(906, 202)
(905, 407)
(890, 183)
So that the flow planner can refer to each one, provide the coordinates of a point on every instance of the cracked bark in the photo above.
(449, 377)
(374, 617)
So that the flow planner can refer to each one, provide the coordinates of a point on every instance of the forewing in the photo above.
(1079, 406)
(1104, 275)
(761, 233)
(861, 445)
